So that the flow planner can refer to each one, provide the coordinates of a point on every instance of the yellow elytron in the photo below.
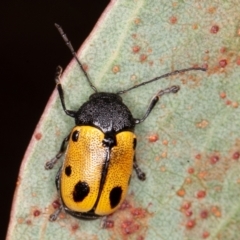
(85, 167)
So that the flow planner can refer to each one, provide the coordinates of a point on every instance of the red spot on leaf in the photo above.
(56, 204)
(136, 49)
(223, 50)
(214, 159)
(143, 57)
(36, 213)
(129, 227)
(85, 67)
(181, 192)
(173, 20)
(38, 136)
(198, 156)
(205, 234)
(28, 222)
(216, 211)
(235, 104)
(186, 205)
(75, 227)
(222, 95)
(138, 212)
(236, 155)
(188, 213)
(228, 102)
(191, 170)
(153, 138)
(116, 69)
(214, 29)
(108, 224)
(222, 63)
(204, 214)
(201, 194)
(125, 205)
(191, 224)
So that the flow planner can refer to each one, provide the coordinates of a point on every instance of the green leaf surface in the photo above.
(189, 146)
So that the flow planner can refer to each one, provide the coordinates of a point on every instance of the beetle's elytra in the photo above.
(100, 150)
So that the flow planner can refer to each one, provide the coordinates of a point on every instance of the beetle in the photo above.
(100, 150)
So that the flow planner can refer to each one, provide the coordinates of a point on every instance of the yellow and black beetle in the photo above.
(100, 150)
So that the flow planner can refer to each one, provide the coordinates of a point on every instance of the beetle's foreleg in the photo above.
(172, 89)
(51, 163)
(60, 92)
(140, 174)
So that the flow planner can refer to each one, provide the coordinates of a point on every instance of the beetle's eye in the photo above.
(75, 136)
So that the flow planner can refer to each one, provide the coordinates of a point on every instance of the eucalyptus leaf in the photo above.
(189, 146)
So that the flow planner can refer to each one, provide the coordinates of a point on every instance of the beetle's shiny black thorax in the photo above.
(107, 112)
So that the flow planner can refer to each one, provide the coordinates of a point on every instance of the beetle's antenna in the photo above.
(163, 76)
(69, 45)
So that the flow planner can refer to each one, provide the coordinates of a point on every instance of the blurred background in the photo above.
(31, 48)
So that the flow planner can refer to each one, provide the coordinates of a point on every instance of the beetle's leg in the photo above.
(54, 216)
(172, 89)
(140, 174)
(106, 223)
(51, 163)
(57, 179)
(60, 92)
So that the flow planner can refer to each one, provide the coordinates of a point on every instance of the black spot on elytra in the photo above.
(134, 143)
(80, 191)
(75, 135)
(68, 170)
(115, 196)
